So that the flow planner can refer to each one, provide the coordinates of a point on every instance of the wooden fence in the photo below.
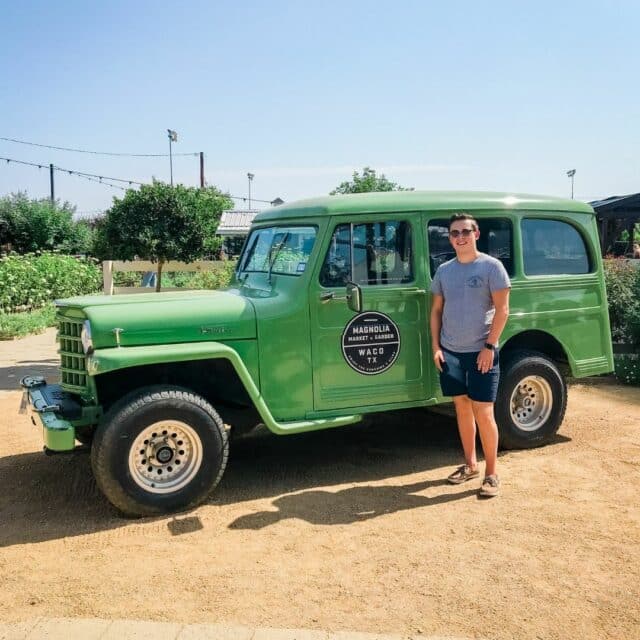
(109, 267)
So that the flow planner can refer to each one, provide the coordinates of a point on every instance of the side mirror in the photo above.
(354, 297)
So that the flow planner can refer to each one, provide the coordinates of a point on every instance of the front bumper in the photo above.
(54, 408)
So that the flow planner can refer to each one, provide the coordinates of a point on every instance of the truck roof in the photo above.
(391, 201)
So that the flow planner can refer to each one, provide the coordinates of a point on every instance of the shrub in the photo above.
(29, 282)
(216, 279)
(219, 277)
(627, 366)
(41, 225)
(127, 278)
(623, 293)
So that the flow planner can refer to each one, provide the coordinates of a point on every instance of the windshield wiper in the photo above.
(275, 257)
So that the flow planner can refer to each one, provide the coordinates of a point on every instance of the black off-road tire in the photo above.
(531, 402)
(121, 479)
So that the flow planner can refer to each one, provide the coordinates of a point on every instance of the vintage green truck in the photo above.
(326, 320)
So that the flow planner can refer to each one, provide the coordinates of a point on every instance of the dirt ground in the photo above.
(350, 529)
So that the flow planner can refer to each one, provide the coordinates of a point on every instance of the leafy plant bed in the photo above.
(32, 281)
(627, 366)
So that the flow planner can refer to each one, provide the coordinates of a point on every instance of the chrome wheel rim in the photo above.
(531, 403)
(165, 456)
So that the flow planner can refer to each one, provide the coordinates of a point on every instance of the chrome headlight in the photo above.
(85, 337)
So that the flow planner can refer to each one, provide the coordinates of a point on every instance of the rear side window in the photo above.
(496, 239)
(372, 253)
(553, 247)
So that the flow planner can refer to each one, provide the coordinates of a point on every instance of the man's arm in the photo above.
(501, 303)
(435, 324)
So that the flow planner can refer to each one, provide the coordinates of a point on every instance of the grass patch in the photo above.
(24, 323)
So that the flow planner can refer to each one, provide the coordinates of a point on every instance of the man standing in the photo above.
(469, 309)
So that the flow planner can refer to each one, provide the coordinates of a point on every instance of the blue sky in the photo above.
(459, 95)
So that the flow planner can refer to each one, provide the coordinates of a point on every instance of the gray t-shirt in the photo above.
(468, 308)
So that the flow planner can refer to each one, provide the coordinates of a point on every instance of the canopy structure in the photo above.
(615, 215)
(236, 222)
(233, 228)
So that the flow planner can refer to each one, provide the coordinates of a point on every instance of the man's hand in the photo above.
(438, 358)
(485, 360)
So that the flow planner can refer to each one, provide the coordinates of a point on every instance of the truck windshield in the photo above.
(283, 250)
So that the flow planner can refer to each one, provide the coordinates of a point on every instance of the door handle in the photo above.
(330, 295)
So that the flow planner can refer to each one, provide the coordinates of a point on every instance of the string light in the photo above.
(106, 180)
(74, 172)
(98, 153)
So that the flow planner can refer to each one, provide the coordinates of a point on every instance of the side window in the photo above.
(496, 239)
(553, 247)
(336, 270)
(381, 254)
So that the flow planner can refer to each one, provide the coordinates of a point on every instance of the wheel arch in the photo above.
(218, 375)
(537, 341)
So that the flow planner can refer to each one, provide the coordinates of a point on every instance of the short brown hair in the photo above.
(463, 216)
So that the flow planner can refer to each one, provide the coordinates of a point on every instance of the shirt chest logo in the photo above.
(474, 282)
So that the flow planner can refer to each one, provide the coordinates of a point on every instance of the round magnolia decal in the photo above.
(371, 342)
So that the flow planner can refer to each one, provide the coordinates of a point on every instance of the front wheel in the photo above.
(532, 400)
(159, 450)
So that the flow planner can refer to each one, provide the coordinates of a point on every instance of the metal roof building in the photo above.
(614, 215)
(236, 222)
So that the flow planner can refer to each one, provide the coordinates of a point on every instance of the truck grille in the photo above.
(73, 369)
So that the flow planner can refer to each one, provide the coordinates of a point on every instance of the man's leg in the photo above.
(483, 413)
(466, 428)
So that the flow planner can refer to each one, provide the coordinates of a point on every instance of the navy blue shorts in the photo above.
(460, 376)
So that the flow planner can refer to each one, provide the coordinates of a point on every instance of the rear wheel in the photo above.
(159, 450)
(532, 400)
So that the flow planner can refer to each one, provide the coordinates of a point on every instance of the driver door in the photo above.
(375, 357)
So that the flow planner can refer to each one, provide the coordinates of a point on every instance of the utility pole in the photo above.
(250, 176)
(173, 137)
(53, 194)
(202, 170)
(571, 173)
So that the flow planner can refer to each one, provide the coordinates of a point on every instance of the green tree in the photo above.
(160, 223)
(367, 182)
(81, 239)
(39, 225)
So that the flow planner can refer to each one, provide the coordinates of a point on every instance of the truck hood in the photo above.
(157, 318)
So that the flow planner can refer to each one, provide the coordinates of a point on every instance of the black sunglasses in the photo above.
(465, 233)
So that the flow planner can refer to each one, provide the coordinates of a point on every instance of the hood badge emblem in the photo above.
(212, 330)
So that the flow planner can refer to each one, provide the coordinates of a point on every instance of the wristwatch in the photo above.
(491, 347)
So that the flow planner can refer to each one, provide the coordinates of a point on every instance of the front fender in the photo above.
(106, 360)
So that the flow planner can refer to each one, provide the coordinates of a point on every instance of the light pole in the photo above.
(250, 176)
(173, 137)
(571, 173)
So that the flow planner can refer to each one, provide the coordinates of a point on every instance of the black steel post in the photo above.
(170, 161)
(202, 170)
(53, 194)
